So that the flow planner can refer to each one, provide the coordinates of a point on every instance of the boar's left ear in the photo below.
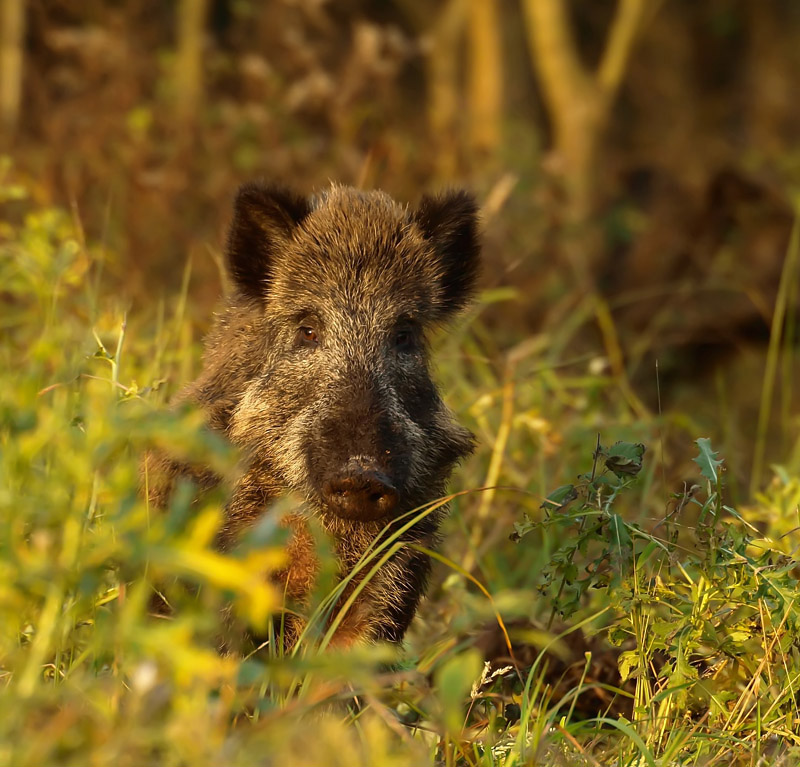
(264, 217)
(450, 222)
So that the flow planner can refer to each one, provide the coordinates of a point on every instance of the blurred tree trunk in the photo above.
(12, 35)
(192, 16)
(485, 84)
(444, 88)
(579, 101)
(771, 79)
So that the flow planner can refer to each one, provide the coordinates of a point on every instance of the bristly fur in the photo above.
(317, 370)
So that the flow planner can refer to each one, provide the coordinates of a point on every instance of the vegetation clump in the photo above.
(694, 598)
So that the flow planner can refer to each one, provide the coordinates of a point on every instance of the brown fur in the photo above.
(317, 370)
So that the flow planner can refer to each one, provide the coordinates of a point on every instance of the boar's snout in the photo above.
(361, 492)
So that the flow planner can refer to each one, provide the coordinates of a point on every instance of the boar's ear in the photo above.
(263, 219)
(450, 222)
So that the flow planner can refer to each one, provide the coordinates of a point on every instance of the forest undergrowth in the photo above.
(587, 608)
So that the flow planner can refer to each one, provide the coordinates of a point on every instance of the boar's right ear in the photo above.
(450, 222)
(263, 219)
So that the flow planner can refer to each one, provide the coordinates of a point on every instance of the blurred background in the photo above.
(637, 162)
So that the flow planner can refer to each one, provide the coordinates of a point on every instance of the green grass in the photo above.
(695, 602)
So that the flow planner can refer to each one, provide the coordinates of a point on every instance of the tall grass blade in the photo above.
(785, 291)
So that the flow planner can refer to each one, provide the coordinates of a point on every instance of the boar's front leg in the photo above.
(160, 474)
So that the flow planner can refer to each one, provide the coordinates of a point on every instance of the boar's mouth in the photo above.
(360, 492)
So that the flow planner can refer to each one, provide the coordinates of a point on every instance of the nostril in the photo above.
(384, 501)
(363, 495)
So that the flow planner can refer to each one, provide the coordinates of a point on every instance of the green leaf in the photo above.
(621, 536)
(251, 671)
(707, 460)
(617, 635)
(624, 458)
(454, 680)
(628, 661)
(603, 484)
(521, 529)
(560, 498)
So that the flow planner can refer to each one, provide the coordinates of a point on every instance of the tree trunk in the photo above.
(771, 79)
(443, 87)
(12, 35)
(578, 101)
(485, 85)
(192, 15)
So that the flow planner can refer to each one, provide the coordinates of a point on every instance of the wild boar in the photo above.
(317, 370)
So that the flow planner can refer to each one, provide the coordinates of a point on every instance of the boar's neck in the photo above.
(234, 352)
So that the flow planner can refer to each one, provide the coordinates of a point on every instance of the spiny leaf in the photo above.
(624, 458)
(707, 460)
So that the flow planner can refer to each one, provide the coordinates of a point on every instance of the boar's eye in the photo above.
(404, 340)
(307, 336)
